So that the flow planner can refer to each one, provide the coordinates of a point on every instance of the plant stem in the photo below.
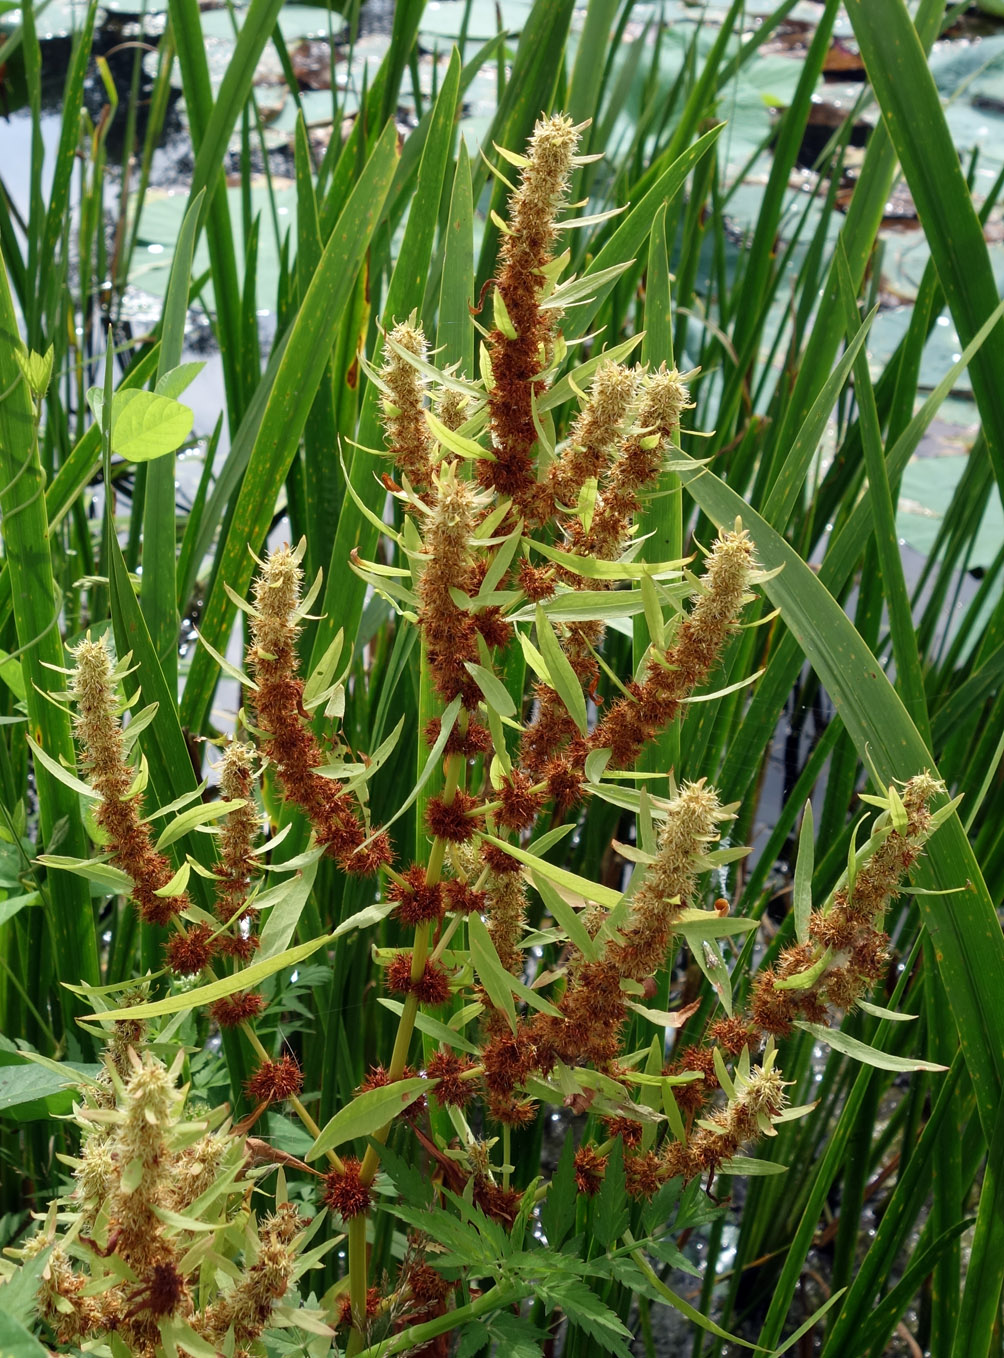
(496, 1300)
(358, 1276)
(358, 1265)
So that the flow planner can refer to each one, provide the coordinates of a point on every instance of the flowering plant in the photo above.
(517, 984)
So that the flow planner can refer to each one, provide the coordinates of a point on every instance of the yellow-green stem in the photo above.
(448, 933)
(358, 1275)
(358, 1267)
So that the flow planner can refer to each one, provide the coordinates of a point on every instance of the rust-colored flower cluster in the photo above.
(124, 1263)
(93, 688)
(409, 442)
(523, 337)
(288, 740)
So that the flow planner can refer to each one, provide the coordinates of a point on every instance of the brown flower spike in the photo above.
(99, 730)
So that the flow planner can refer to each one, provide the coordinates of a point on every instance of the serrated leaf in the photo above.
(465, 1245)
(585, 1310)
(557, 1215)
(474, 1337)
(413, 1185)
(17, 1342)
(610, 1206)
(516, 1336)
(671, 1254)
(368, 1113)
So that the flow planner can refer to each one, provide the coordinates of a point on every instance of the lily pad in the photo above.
(443, 19)
(161, 221)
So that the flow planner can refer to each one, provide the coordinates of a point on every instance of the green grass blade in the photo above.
(52, 279)
(979, 1315)
(455, 334)
(343, 597)
(323, 486)
(662, 516)
(750, 314)
(909, 677)
(299, 373)
(528, 93)
(791, 478)
(158, 587)
(636, 224)
(904, 1207)
(36, 618)
(207, 174)
(911, 108)
(77, 470)
(864, 216)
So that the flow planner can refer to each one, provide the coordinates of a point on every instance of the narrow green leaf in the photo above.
(245, 979)
(566, 917)
(432, 1027)
(582, 886)
(563, 678)
(495, 693)
(368, 1112)
(860, 1051)
(192, 818)
(911, 109)
(491, 973)
(979, 1315)
(284, 916)
(802, 891)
